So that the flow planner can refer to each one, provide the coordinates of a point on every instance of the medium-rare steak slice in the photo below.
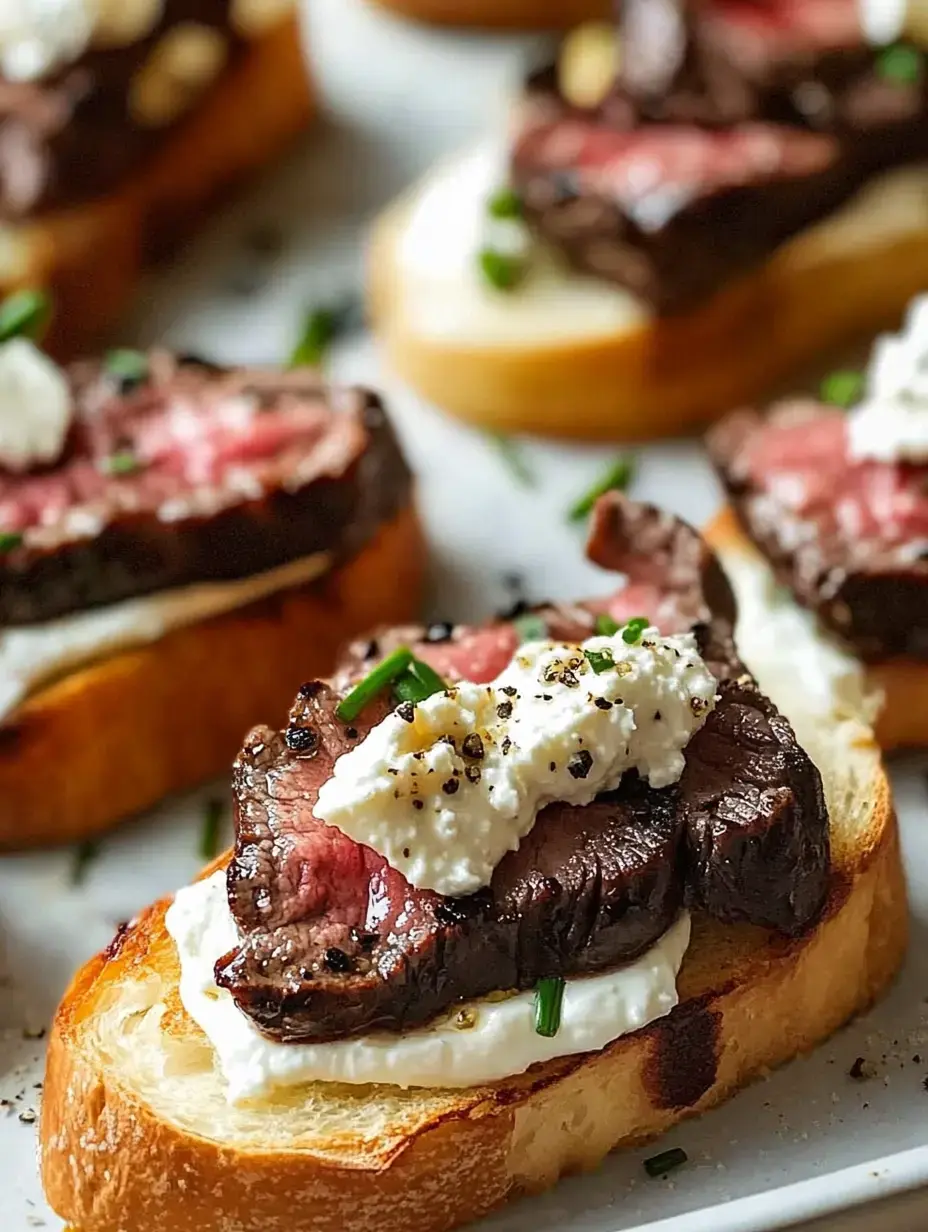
(188, 473)
(335, 942)
(848, 537)
(727, 134)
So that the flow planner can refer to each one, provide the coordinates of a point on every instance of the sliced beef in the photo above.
(190, 474)
(72, 135)
(334, 941)
(849, 538)
(730, 131)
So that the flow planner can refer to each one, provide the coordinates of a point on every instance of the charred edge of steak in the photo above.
(335, 942)
(879, 609)
(868, 123)
(337, 510)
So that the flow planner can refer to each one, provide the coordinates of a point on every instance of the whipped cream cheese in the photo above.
(891, 424)
(32, 655)
(36, 36)
(35, 406)
(477, 1042)
(443, 296)
(444, 789)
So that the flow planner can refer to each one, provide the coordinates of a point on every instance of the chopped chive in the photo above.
(660, 1165)
(549, 996)
(842, 388)
(210, 830)
(131, 367)
(84, 856)
(616, 479)
(505, 203)
(501, 270)
(605, 626)
(600, 660)
(531, 628)
(902, 64)
(9, 540)
(634, 629)
(511, 453)
(124, 462)
(24, 314)
(319, 332)
(418, 682)
(390, 669)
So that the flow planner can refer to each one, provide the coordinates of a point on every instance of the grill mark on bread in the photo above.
(685, 1049)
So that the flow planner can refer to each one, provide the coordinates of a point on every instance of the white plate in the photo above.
(808, 1140)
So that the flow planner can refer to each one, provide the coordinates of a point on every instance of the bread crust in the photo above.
(113, 738)
(502, 14)
(902, 722)
(106, 1152)
(664, 377)
(92, 255)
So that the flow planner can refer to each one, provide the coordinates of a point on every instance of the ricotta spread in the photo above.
(481, 1041)
(891, 424)
(32, 655)
(35, 406)
(883, 21)
(444, 297)
(36, 36)
(444, 789)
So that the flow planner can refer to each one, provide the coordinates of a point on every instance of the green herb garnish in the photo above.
(319, 332)
(531, 628)
(24, 314)
(502, 270)
(418, 682)
(549, 995)
(605, 626)
(124, 462)
(384, 674)
(600, 660)
(632, 632)
(902, 64)
(505, 203)
(511, 453)
(9, 540)
(84, 855)
(660, 1165)
(842, 388)
(130, 367)
(209, 832)
(616, 479)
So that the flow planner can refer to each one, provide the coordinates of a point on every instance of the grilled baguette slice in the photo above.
(92, 255)
(136, 1131)
(108, 740)
(645, 376)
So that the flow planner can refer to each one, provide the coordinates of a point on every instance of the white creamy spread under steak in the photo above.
(334, 942)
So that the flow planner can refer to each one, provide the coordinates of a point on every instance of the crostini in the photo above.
(122, 121)
(501, 900)
(176, 540)
(834, 498)
(684, 209)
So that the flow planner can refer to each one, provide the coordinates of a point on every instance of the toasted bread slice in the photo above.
(567, 356)
(137, 1133)
(502, 14)
(92, 255)
(897, 689)
(111, 739)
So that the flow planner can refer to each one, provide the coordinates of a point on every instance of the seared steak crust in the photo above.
(335, 942)
(192, 474)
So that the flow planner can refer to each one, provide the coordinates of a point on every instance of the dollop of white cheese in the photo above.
(36, 36)
(32, 655)
(891, 423)
(477, 1042)
(883, 21)
(444, 789)
(35, 406)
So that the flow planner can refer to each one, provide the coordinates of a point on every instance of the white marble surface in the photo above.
(402, 96)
